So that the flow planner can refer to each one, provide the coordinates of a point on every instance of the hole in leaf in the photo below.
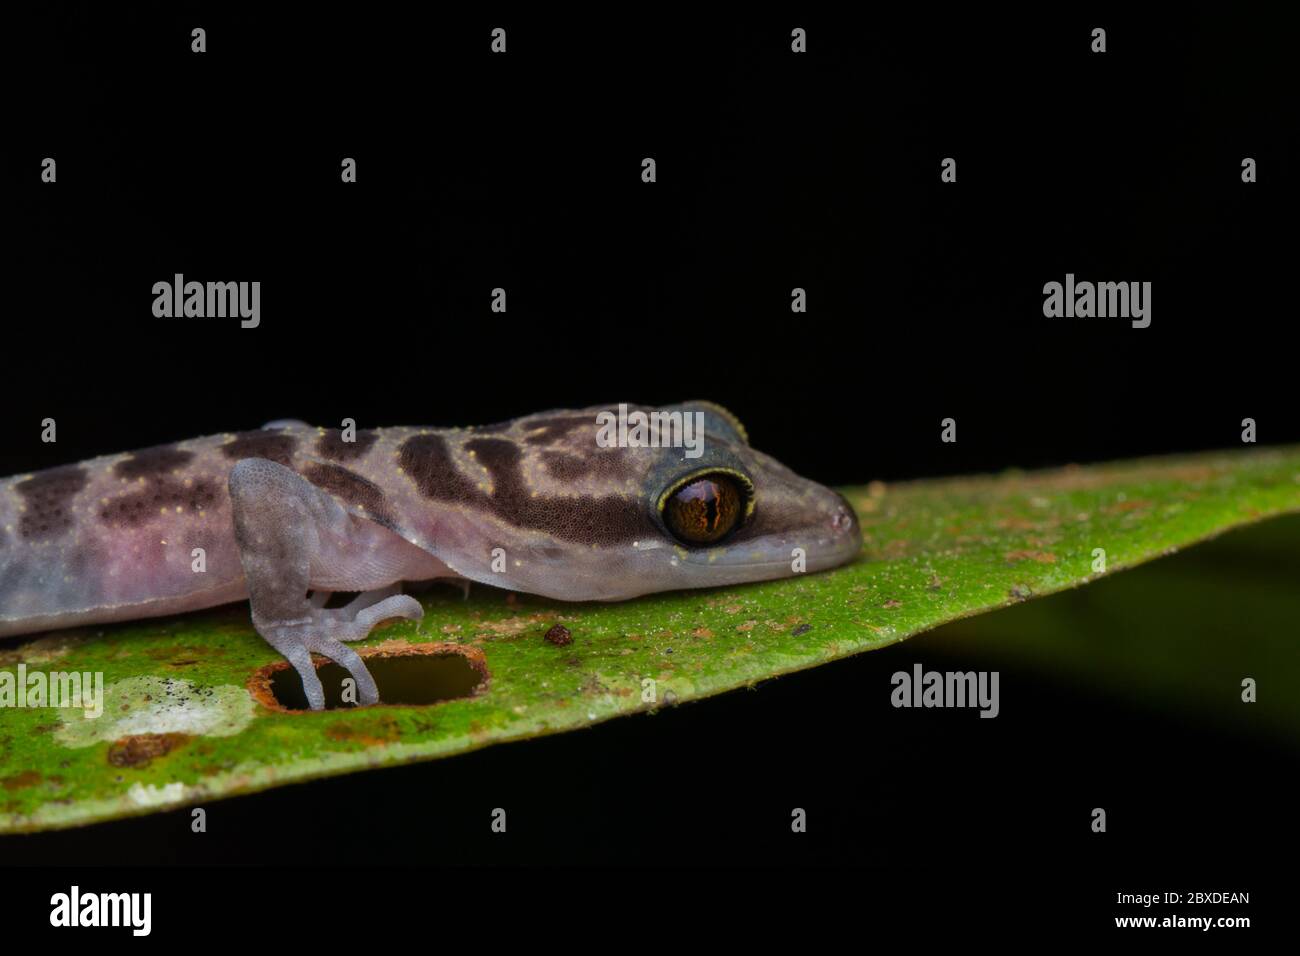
(417, 675)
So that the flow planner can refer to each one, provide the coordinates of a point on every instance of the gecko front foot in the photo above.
(280, 523)
(321, 631)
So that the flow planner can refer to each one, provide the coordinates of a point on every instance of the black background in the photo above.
(774, 171)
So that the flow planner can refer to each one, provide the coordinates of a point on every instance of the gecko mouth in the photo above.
(406, 675)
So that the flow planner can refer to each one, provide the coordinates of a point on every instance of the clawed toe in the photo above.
(400, 605)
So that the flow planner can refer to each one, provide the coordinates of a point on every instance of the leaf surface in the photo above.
(187, 718)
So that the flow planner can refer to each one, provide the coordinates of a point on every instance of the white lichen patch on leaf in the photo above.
(159, 705)
(148, 795)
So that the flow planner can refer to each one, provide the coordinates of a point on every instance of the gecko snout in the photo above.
(844, 520)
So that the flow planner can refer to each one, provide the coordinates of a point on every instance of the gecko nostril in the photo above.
(412, 674)
(843, 519)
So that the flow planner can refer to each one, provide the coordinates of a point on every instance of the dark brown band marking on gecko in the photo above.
(354, 489)
(161, 493)
(47, 498)
(607, 520)
(269, 444)
(606, 464)
(332, 446)
(617, 519)
(148, 462)
(157, 489)
(427, 461)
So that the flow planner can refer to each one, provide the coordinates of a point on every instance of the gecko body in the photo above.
(285, 514)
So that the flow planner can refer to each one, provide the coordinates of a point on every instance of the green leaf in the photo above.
(181, 725)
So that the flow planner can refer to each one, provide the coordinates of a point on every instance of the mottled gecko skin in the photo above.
(292, 508)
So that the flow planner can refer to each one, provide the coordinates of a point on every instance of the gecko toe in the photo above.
(300, 657)
(400, 605)
(350, 660)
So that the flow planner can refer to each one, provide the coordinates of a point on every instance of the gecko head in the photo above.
(735, 515)
(671, 498)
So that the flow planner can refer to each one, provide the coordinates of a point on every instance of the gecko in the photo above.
(288, 514)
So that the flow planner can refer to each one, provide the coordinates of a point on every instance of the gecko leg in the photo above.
(282, 523)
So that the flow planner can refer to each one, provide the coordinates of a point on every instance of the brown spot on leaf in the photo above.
(1120, 507)
(27, 778)
(559, 635)
(513, 626)
(1042, 557)
(138, 750)
(369, 733)
(1016, 523)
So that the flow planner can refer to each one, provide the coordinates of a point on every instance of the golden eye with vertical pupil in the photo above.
(704, 510)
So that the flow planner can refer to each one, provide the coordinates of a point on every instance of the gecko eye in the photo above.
(704, 510)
